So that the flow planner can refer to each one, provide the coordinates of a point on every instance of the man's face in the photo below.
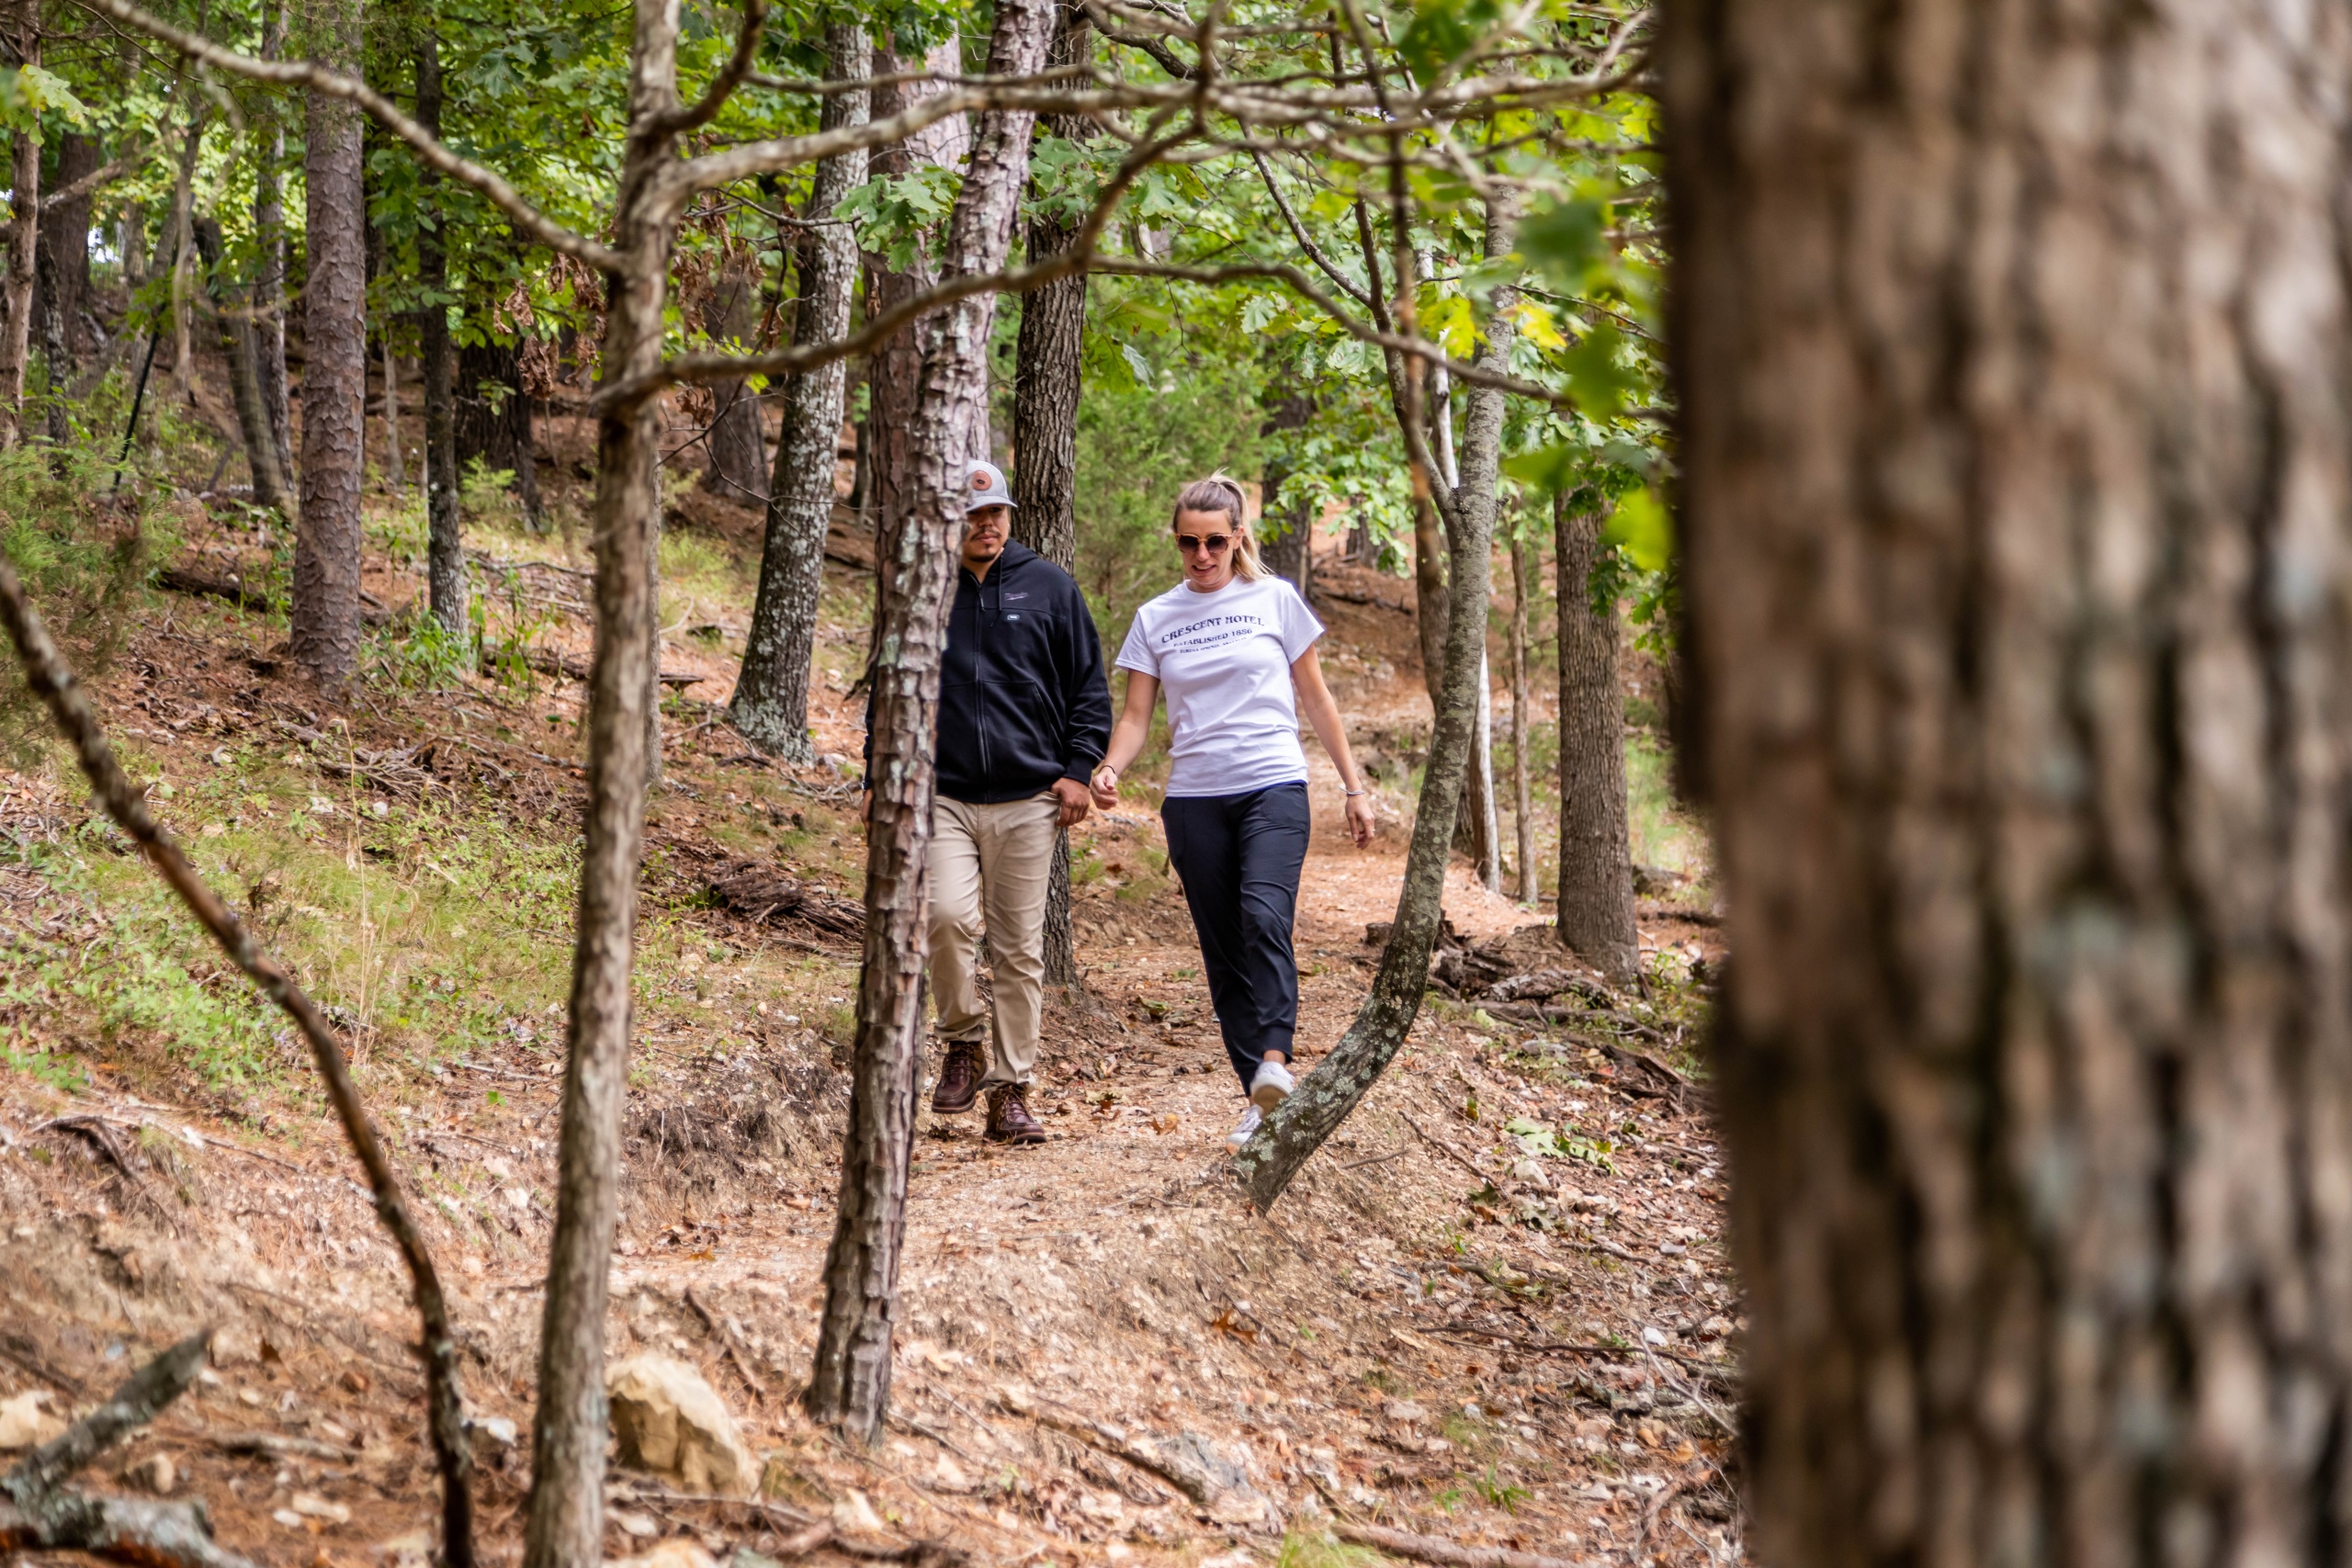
(984, 535)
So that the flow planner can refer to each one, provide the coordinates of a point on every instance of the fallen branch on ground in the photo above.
(1195, 1484)
(758, 892)
(53, 681)
(1694, 1475)
(1429, 1549)
(37, 1513)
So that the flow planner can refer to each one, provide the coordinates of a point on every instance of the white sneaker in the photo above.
(1271, 1086)
(1244, 1129)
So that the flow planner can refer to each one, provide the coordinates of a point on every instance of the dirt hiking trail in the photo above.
(1495, 1310)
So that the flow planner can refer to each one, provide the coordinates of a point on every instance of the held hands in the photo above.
(1071, 795)
(1107, 786)
(1359, 820)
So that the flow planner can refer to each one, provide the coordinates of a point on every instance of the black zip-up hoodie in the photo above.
(1022, 697)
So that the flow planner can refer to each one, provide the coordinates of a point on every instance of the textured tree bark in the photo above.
(445, 558)
(335, 364)
(20, 46)
(2015, 483)
(916, 564)
(894, 372)
(1045, 434)
(1596, 906)
(269, 234)
(565, 1525)
(494, 415)
(770, 702)
(245, 386)
(1326, 1095)
(395, 460)
(1522, 580)
(63, 246)
(738, 447)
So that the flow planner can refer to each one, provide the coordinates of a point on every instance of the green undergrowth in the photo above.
(429, 930)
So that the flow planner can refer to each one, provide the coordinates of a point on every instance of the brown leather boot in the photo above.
(1009, 1118)
(959, 1078)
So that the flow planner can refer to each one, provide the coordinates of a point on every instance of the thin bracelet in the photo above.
(1351, 794)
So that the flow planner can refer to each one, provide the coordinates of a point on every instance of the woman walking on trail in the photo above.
(1234, 648)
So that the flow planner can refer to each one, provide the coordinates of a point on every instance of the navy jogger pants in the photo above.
(1238, 857)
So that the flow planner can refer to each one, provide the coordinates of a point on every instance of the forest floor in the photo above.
(1496, 1309)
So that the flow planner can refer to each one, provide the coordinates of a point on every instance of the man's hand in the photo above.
(1071, 796)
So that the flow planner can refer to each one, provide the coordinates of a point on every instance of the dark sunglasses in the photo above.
(1215, 544)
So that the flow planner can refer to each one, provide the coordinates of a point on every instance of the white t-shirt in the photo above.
(1224, 660)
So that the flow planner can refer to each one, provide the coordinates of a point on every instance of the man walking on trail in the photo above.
(1024, 713)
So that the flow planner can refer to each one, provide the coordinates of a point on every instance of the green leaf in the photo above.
(1642, 528)
(1596, 378)
(1548, 469)
(29, 92)
(1563, 240)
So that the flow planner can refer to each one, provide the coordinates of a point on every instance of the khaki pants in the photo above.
(991, 859)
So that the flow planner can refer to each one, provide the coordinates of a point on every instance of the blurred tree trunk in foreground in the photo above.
(2017, 475)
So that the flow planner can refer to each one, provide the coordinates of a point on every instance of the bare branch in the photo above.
(53, 681)
(429, 148)
(1162, 55)
(1314, 251)
(822, 87)
(689, 368)
(102, 175)
(1300, 284)
(130, 1407)
(35, 1514)
(730, 76)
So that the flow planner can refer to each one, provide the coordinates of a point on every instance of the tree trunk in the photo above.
(1595, 912)
(1285, 525)
(64, 246)
(494, 415)
(21, 45)
(244, 388)
(1483, 822)
(1326, 1095)
(2013, 394)
(394, 460)
(894, 371)
(916, 565)
(335, 364)
(770, 702)
(738, 447)
(444, 560)
(59, 417)
(565, 1524)
(1523, 582)
(269, 234)
(1047, 374)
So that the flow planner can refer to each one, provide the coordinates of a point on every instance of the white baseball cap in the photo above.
(984, 486)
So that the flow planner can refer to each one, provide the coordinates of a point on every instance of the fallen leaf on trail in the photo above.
(1227, 1322)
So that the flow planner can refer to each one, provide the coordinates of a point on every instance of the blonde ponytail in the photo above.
(1219, 494)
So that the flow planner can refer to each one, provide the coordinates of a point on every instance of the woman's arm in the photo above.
(1127, 737)
(1322, 712)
